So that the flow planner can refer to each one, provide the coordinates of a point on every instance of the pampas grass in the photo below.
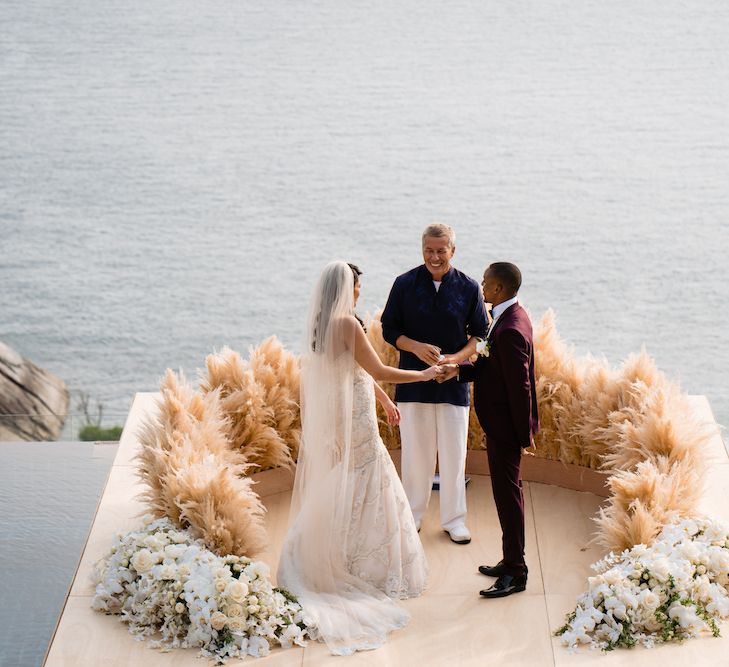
(194, 477)
(630, 422)
(260, 398)
(390, 357)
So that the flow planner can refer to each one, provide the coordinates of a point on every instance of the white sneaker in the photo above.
(459, 535)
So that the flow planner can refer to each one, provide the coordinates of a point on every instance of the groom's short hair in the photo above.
(439, 230)
(507, 274)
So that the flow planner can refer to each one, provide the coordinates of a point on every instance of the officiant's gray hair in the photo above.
(438, 230)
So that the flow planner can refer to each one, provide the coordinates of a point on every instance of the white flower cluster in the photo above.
(672, 590)
(165, 583)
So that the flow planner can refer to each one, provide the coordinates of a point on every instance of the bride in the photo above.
(352, 546)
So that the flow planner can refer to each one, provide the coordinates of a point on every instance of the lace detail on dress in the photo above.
(384, 548)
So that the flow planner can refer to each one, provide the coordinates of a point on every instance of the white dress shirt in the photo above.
(496, 312)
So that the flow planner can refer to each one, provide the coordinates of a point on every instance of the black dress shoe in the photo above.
(505, 585)
(493, 570)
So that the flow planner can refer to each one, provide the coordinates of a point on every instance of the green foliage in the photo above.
(568, 623)
(288, 595)
(92, 432)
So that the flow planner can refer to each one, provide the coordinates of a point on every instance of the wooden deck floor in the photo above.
(451, 624)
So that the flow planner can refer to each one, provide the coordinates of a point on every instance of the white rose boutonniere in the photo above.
(483, 349)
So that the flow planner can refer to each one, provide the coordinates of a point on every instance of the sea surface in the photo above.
(174, 175)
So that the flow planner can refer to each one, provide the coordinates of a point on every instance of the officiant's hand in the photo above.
(449, 359)
(449, 372)
(427, 353)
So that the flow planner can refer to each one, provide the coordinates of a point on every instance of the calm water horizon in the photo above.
(174, 176)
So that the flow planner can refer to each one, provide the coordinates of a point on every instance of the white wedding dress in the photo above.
(383, 558)
(385, 549)
(351, 549)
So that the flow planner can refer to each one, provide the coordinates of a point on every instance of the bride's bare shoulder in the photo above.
(348, 330)
(347, 324)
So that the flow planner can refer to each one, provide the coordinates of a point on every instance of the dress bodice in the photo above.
(365, 431)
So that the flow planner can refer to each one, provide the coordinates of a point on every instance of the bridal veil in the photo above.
(349, 613)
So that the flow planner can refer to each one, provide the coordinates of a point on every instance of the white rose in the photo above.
(152, 543)
(660, 569)
(234, 610)
(218, 620)
(219, 585)
(482, 347)
(649, 599)
(613, 577)
(236, 590)
(142, 561)
(235, 625)
(180, 608)
(175, 551)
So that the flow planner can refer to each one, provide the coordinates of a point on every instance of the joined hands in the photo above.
(449, 371)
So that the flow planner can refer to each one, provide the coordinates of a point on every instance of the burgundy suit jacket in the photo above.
(504, 388)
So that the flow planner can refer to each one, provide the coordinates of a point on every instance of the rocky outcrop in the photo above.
(33, 402)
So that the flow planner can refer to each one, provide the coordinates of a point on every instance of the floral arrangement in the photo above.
(166, 584)
(672, 590)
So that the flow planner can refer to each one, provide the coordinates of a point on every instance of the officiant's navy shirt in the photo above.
(445, 318)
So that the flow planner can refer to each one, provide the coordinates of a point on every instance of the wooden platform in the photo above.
(451, 624)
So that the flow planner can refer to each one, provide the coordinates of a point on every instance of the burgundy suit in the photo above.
(505, 401)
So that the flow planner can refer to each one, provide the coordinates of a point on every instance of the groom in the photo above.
(506, 406)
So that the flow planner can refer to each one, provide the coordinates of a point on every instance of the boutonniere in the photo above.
(483, 349)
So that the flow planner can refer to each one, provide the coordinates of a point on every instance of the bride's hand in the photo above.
(432, 373)
(392, 412)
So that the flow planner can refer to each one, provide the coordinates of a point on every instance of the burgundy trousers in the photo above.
(505, 466)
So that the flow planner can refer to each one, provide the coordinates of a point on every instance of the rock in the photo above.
(39, 397)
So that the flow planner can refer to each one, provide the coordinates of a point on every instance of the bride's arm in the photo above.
(391, 410)
(366, 357)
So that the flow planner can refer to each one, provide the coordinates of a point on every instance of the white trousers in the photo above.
(427, 429)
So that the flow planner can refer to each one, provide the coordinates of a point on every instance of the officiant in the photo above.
(435, 313)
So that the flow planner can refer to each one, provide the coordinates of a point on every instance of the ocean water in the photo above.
(173, 175)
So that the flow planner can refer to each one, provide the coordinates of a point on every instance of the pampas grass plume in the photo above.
(192, 474)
